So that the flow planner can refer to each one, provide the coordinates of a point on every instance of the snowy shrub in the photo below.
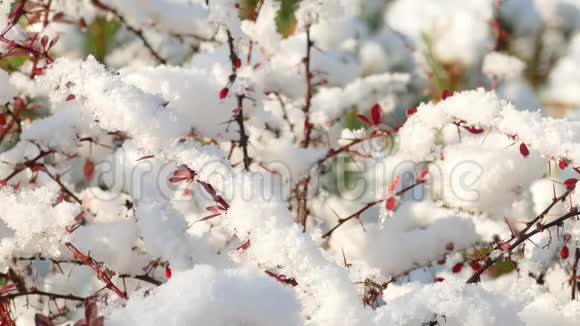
(282, 162)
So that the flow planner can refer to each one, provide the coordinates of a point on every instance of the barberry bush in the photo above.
(282, 162)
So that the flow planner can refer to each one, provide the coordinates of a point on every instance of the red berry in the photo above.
(446, 93)
(89, 169)
(569, 183)
(439, 279)
(237, 62)
(457, 268)
(167, 271)
(475, 266)
(391, 203)
(2, 119)
(412, 111)
(524, 150)
(224, 92)
(70, 97)
(564, 252)
(563, 164)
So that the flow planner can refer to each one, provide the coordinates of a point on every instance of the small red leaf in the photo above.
(391, 203)
(208, 217)
(524, 150)
(146, 157)
(208, 188)
(53, 42)
(168, 271)
(214, 209)
(89, 169)
(563, 164)
(37, 71)
(58, 16)
(80, 217)
(224, 92)
(3, 183)
(376, 114)
(421, 176)
(412, 111)
(473, 130)
(222, 202)
(457, 268)
(244, 245)
(364, 119)
(503, 246)
(71, 228)
(394, 183)
(446, 93)
(283, 278)
(564, 252)
(44, 41)
(571, 182)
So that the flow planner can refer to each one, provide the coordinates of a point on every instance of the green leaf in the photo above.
(100, 37)
(12, 63)
(350, 121)
(285, 19)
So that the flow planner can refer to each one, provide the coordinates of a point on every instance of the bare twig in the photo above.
(574, 281)
(524, 235)
(135, 30)
(358, 213)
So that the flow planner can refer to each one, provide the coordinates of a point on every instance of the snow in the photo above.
(193, 203)
(502, 66)
(208, 296)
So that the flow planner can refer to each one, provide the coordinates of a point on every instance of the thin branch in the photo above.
(243, 141)
(525, 235)
(63, 187)
(574, 281)
(308, 96)
(34, 291)
(358, 213)
(136, 31)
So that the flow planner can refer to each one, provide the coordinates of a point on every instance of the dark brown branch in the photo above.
(302, 187)
(358, 213)
(34, 291)
(23, 166)
(525, 235)
(243, 141)
(136, 31)
(308, 96)
(574, 281)
(63, 187)
(142, 277)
